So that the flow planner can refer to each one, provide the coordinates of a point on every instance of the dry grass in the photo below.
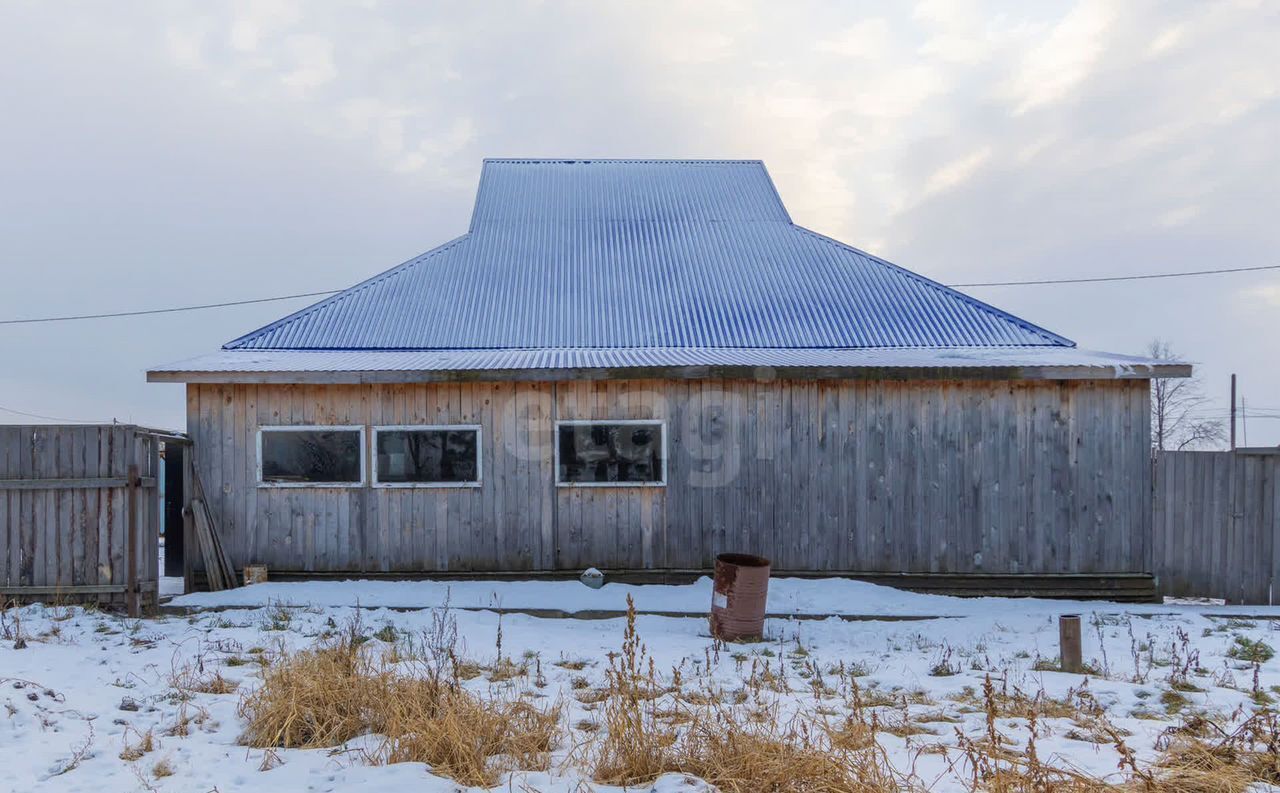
(576, 665)
(505, 669)
(1010, 702)
(313, 698)
(330, 694)
(1200, 756)
(181, 726)
(459, 734)
(162, 769)
(737, 748)
(1223, 762)
(746, 739)
(214, 683)
(189, 679)
(738, 754)
(734, 758)
(11, 623)
(144, 745)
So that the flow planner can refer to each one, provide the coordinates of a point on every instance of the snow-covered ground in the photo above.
(88, 684)
(787, 596)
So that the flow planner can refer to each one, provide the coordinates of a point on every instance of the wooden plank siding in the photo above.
(995, 477)
(64, 511)
(1216, 517)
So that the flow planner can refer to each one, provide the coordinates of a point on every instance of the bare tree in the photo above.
(1177, 403)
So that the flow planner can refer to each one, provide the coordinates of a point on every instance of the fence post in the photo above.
(131, 558)
(1069, 643)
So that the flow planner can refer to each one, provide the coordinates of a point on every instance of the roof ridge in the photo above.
(616, 160)
(1059, 340)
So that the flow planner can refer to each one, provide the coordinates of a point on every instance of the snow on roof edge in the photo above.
(302, 361)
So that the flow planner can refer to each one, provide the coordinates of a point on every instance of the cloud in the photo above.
(956, 172)
(1179, 216)
(311, 62)
(867, 38)
(1167, 40)
(1267, 294)
(186, 46)
(970, 140)
(252, 21)
(1060, 61)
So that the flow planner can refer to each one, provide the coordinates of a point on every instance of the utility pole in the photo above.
(1244, 420)
(1233, 411)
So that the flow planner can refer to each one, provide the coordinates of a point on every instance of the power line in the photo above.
(1124, 277)
(50, 418)
(229, 303)
(1252, 415)
(72, 317)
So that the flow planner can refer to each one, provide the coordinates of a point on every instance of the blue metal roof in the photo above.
(606, 191)
(609, 254)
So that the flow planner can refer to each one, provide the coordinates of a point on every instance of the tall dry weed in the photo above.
(646, 731)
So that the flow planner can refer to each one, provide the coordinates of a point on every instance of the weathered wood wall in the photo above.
(1216, 517)
(64, 512)
(1002, 477)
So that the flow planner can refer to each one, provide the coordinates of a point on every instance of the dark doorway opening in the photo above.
(174, 499)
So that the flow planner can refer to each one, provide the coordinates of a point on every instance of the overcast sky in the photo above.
(166, 154)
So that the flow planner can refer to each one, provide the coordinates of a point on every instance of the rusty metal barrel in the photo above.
(738, 596)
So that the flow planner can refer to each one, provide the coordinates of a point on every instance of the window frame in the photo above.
(364, 453)
(479, 431)
(661, 423)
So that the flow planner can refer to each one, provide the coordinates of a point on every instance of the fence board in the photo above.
(1215, 524)
(63, 511)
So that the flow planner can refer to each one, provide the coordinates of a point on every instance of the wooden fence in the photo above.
(1216, 521)
(79, 514)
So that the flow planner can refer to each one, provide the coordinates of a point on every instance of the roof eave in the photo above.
(1138, 372)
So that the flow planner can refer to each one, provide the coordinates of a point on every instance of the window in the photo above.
(446, 456)
(611, 453)
(310, 456)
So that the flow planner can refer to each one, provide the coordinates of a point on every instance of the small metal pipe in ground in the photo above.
(1069, 643)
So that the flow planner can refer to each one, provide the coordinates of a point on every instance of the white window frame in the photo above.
(661, 423)
(364, 452)
(476, 428)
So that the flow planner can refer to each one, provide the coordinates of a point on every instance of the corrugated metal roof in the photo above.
(1104, 365)
(656, 254)
(654, 191)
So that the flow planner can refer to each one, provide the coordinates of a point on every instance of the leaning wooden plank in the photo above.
(224, 558)
(225, 577)
(215, 554)
(212, 564)
(221, 558)
(197, 504)
(202, 543)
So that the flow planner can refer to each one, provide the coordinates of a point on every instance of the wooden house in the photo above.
(638, 364)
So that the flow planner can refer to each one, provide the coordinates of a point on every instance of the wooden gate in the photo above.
(80, 514)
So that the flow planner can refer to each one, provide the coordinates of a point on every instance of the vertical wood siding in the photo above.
(825, 475)
(1216, 518)
(75, 536)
